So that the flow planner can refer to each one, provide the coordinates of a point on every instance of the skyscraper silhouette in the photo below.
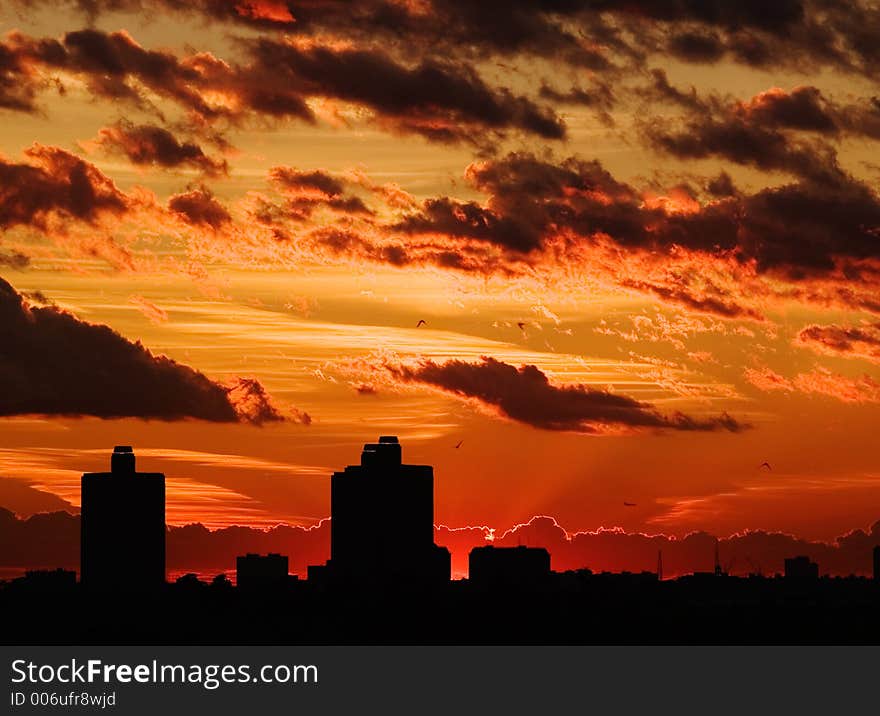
(382, 526)
(122, 539)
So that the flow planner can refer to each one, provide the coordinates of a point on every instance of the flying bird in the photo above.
(767, 465)
(521, 325)
(422, 322)
(629, 504)
(458, 445)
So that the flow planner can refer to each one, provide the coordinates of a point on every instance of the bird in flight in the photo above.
(458, 444)
(629, 504)
(765, 465)
(521, 325)
(422, 322)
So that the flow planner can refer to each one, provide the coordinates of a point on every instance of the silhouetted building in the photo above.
(801, 568)
(382, 526)
(877, 563)
(49, 580)
(256, 571)
(318, 574)
(122, 543)
(508, 566)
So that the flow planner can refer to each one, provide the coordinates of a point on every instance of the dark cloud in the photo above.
(803, 108)
(150, 145)
(14, 260)
(721, 186)
(53, 363)
(599, 35)
(739, 140)
(600, 97)
(526, 395)
(844, 341)
(442, 100)
(56, 184)
(662, 90)
(701, 46)
(306, 191)
(199, 208)
(530, 200)
(776, 130)
(18, 86)
(799, 230)
(475, 30)
(795, 230)
(114, 66)
(469, 220)
(317, 180)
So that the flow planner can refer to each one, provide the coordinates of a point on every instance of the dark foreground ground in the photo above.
(594, 609)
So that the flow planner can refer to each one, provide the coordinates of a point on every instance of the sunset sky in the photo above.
(644, 238)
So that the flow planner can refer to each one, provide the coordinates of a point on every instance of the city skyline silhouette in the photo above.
(380, 587)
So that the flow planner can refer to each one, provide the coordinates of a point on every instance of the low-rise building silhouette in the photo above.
(801, 567)
(256, 571)
(49, 580)
(493, 567)
(382, 526)
(122, 526)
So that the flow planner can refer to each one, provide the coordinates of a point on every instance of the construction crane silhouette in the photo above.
(756, 567)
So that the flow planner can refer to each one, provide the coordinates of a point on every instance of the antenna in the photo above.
(659, 565)
(718, 571)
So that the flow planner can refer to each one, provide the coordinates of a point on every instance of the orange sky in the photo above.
(302, 286)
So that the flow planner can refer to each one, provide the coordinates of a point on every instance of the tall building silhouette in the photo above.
(382, 526)
(122, 540)
(876, 555)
